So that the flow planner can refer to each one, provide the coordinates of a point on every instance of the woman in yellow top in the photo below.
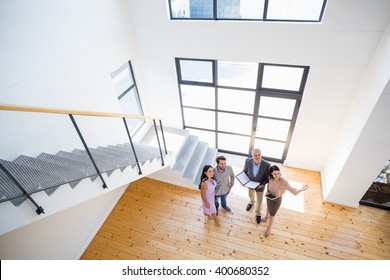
(277, 186)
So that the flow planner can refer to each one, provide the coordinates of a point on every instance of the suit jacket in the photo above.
(262, 176)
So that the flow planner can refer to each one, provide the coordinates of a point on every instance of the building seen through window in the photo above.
(253, 10)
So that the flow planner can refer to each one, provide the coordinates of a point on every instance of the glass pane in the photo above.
(122, 79)
(276, 107)
(272, 129)
(234, 123)
(205, 136)
(180, 9)
(196, 71)
(282, 77)
(199, 118)
(236, 74)
(198, 96)
(234, 143)
(270, 148)
(192, 9)
(244, 9)
(295, 9)
(229, 98)
(134, 125)
(130, 103)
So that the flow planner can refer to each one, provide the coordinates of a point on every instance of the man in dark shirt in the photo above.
(257, 170)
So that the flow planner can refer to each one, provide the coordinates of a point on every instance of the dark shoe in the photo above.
(249, 206)
(265, 219)
(227, 209)
(258, 219)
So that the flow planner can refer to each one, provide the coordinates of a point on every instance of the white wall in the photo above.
(319, 117)
(63, 52)
(366, 159)
(60, 236)
(341, 53)
(362, 147)
(59, 54)
(338, 52)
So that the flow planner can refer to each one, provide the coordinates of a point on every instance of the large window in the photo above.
(235, 106)
(126, 89)
(253, 10)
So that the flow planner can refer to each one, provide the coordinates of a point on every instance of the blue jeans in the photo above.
(223, 200)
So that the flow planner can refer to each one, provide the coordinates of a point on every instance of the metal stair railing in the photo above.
(31, 135)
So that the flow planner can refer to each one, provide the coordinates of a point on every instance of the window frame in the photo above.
(128, 90)
(259, 92)
(263, 19)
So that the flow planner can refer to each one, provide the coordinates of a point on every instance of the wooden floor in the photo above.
(155, 220)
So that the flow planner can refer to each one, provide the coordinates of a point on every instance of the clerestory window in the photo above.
(248, 10)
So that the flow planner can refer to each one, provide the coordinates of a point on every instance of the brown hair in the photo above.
(272, 169)
(220, 158)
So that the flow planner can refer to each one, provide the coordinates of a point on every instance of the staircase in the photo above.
(48, 172)
(68, 178)
(191, 155)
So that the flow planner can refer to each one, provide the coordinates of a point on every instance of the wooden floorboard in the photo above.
(156, 220)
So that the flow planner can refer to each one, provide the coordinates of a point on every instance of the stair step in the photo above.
(86, 169)
(66, 173)
(33, 179)
(116, 158)
(185, 154)
(81, 158)
(146, 152)
(105, 163)
(208, 159)
(195, 161)
(124, 159)
(9, 189)
(174, 137)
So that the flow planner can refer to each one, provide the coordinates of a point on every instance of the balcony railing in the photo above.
(43, 148)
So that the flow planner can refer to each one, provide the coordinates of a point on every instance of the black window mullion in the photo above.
(215, 79)
(259, 92)
(214, 15)
(265, 10)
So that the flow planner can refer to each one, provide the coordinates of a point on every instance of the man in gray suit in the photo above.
(257, 170)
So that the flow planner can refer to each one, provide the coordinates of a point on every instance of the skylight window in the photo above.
(253, 10)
